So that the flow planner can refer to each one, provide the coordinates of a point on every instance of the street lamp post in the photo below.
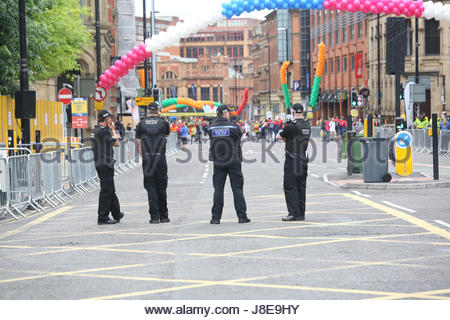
(145, 37)
(153, 55)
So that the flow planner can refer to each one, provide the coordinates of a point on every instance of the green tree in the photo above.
(55, 38)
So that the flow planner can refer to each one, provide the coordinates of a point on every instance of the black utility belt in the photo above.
(297, 155)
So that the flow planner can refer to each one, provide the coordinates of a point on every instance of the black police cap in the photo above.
(221, 109)
(103, 114)
(153, 106)
(298, 107)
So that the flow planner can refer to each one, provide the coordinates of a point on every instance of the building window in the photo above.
(331, 66)
(345, 64)
(205, 96)
(204, 69)
(182, 52)
(188, 52)
(331, 38)
(192, 93)
(344, 35)
(352, 32)
(221, 94)
(337, 33)
(409, 38)
(235, 51)
(353, 62)
(215, 94)
(338, 65)
(360, 30)
(326, 67)
(432, 37)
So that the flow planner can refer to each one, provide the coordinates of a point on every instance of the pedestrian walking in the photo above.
(296, 135)
(151, 137)
(104, 137)
(226, 153)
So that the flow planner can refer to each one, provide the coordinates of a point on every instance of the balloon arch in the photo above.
(408, 8)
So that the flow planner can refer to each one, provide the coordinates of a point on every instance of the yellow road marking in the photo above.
(401, 215)
(142, 293)
(34, 222)
(415, 295)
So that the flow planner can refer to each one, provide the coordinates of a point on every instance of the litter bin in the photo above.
(354, 152)
(375, 160)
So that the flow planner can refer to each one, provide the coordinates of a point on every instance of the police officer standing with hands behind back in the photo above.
(151, 134)
(226, 153)
(296, 136)
(104, 138)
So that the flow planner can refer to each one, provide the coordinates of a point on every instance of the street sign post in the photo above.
(65, 96)
(143, 101)
(79, 113)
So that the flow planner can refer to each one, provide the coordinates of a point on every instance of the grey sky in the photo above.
(185, 8)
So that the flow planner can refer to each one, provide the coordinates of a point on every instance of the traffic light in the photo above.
(402, 91)
(155, 94)
(354, 98)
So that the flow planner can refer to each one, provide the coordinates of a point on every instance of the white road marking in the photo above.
(442, 223)
(325, 179)
(314, 175)
(361, 194)
(205, 175)
(397, 206)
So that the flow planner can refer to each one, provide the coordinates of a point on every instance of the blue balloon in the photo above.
(315, 3)
(303, 4)
(279, 3)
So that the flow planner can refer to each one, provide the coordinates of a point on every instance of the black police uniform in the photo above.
(152, 132)
(102, 146)
(297, 135)
(226, 153)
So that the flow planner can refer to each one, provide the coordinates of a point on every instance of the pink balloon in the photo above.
(148, 54)
(103, 78)
(142, 46)
(114, 70)
(101, 84)
(108, 74)
(126, 61)
(135, 50)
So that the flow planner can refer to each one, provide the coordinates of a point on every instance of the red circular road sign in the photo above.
(65, 96)
(100, 94)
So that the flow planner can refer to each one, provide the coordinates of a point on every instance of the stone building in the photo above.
(345, 37)
(434, 66)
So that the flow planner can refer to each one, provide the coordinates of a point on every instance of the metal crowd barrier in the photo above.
(4, 189)
(172, 144)
(82, 173)
(315, 133)
(444, 140)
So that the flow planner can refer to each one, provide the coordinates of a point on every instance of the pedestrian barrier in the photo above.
(315, 133)
(82, 173)
(172, 144)
(444, 140)
(4, 189)
(33, 180)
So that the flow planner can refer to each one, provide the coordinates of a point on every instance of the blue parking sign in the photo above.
(297, 85)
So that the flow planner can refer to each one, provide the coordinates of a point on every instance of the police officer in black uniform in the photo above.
(104, 138)
(226, 153)
(296, 135)
(151, 134)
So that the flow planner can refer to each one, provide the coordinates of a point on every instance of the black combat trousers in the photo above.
(154, 166)
(108, 201)
(234, 171)
(294, 184)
